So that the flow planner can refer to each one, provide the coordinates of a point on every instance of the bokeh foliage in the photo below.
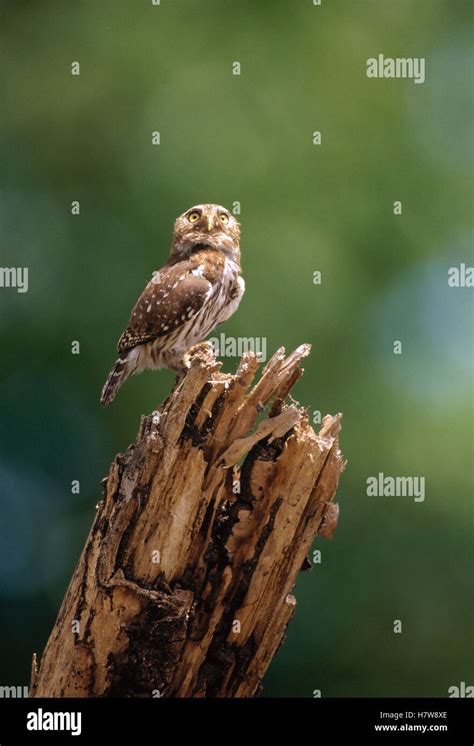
(304, 208)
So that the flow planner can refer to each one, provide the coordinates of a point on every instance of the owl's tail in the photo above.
(124, 366)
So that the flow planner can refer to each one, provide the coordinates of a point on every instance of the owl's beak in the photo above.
(210, 223)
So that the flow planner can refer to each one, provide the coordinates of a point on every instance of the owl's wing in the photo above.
(172, 297)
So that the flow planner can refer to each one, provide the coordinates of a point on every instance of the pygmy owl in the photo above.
(199, 287)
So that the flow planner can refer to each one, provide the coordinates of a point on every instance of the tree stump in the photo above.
(183, 588)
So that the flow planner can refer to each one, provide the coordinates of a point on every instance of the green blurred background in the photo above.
(248, 138)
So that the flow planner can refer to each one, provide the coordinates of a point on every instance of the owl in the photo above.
(199, 287)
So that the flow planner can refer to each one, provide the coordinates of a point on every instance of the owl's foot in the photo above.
(185, 361)
(182, 365)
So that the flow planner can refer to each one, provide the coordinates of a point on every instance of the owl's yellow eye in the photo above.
(224, 218)
(193, 216)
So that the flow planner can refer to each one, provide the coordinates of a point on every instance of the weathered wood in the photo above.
(183, 588)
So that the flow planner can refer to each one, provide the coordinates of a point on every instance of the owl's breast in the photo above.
(234, 293)
(222, 301)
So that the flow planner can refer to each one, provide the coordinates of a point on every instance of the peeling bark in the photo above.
(183, 588)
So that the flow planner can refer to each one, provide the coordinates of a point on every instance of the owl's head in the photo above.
(206, 226)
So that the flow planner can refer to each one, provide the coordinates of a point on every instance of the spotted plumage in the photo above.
(199, 287)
